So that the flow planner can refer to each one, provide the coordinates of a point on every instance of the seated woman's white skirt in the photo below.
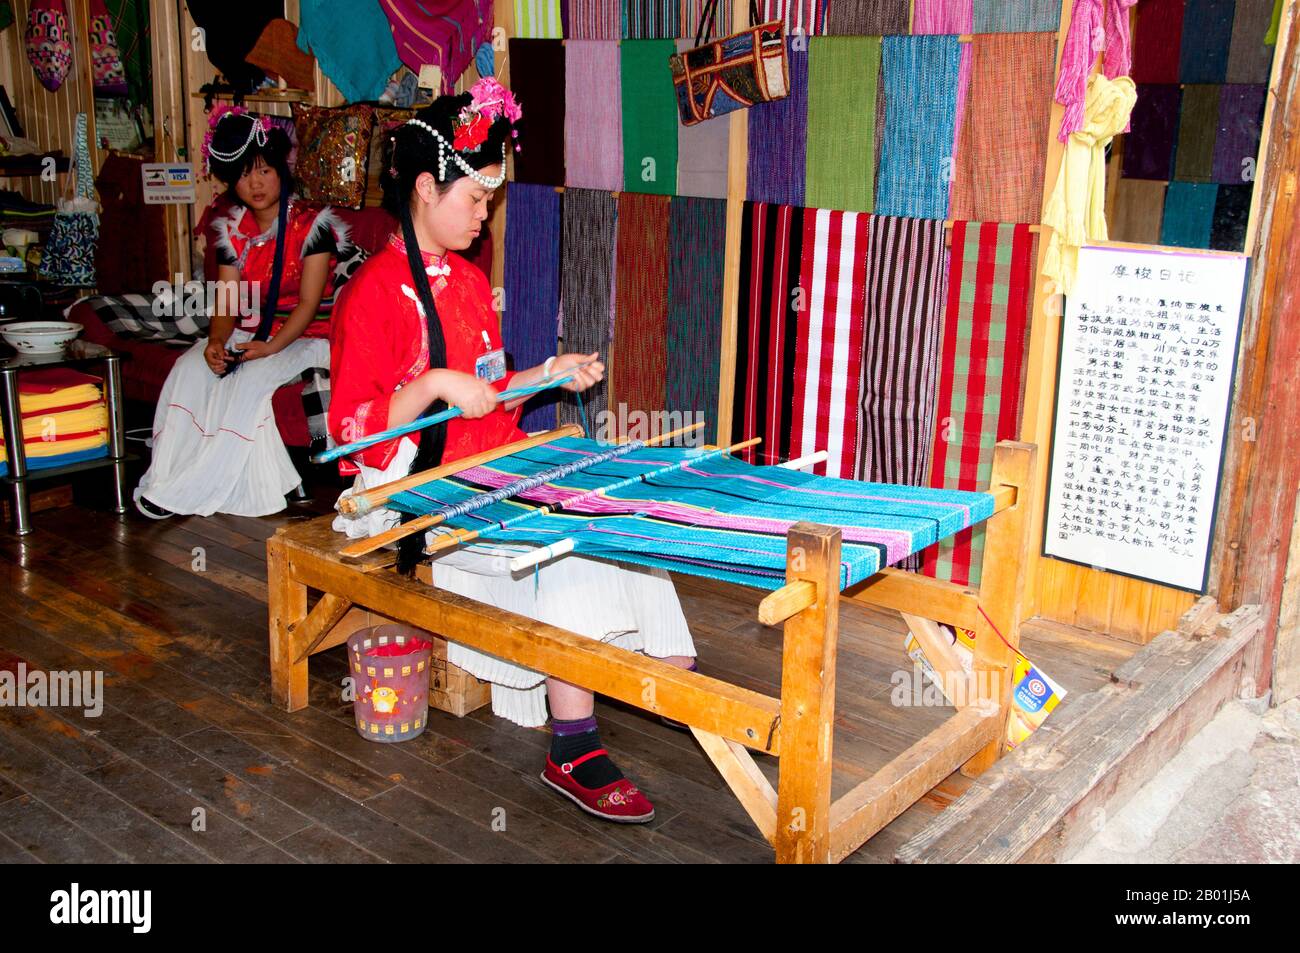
(630, 607)
(216, 448)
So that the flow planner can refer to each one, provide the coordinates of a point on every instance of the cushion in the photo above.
(333, 153)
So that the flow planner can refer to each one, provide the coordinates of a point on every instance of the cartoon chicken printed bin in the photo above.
(390, 673)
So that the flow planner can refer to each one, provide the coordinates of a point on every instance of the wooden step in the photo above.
(1040, 803)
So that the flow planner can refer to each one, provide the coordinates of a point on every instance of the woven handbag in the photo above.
(69, 256)
(734, 72)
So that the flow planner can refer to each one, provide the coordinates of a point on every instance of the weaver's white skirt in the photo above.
(216, 448)
(636, 609)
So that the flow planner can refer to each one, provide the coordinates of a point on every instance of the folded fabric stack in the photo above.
(64, 417)
(16, 211)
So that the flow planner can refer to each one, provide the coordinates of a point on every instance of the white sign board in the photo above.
(168, 183)
(1148, 356)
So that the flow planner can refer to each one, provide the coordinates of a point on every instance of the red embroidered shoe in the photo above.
(620, 802)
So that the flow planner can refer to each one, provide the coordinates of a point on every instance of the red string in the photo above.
(999, 634)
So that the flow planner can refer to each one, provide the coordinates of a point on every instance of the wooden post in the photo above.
(286, 603)
(808, 699)
(1007, 551)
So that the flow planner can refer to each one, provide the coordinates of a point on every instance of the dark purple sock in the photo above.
(570, 740)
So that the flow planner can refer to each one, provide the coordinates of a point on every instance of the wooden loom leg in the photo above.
(1007, 553)
(287, 608)
(736, 765)
(808, 699)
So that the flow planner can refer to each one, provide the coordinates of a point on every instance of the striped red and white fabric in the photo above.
(828, 350)
(771, 259)
(906, 274)
(806, 15)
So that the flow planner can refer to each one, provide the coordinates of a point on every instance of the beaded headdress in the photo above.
(259, 131)
(488, 100)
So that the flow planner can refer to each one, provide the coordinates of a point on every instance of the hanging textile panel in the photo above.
(1138, 210)
(651, 20)
(830, 311)
(840, 165)
(943, 16)
(906, 267)
(532, 287)
(1016, 16)
(868, 17)
(697, 238)
(1207, 28)
(1231, 215)
(920, 76)
(1198, 123)
(539, 20)
(959, 117)
(537, 66)
(639, 354)
(703, 154)
(1149, 143)
(1157, 40)
(771, 259)
(778, 140)
(649, 117)
(593, 138)
(1250, 59)
(799, 16)
(1003, 140)
(586, 289)
(691, 10)
(1241, 121)
(1189, 214)
(990, 281)
(594, 20)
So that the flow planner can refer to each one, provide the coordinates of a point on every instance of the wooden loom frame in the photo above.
(798, 817)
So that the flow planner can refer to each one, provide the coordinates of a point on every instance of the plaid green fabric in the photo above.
(983, 353)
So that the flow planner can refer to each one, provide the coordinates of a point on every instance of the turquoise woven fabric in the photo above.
(719, 518)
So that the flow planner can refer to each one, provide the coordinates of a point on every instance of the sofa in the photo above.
(150, 361)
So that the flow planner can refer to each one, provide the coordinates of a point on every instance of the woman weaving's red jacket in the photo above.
(379, 343)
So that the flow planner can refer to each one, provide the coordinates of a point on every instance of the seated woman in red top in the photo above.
(216, 448)
(415, 330)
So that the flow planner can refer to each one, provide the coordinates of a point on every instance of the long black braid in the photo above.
(415, 151)
(410, 550)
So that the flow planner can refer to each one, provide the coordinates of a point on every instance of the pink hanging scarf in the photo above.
(1096, 26)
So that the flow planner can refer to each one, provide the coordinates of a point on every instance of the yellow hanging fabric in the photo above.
(1076, 212)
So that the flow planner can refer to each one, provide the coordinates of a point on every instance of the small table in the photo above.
(78, 354)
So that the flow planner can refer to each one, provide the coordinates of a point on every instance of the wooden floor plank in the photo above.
(49, 837)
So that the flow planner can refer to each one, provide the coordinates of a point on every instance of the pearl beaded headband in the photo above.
(256, 131)
(444, 147)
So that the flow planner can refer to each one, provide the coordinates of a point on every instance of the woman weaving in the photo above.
(414, 331)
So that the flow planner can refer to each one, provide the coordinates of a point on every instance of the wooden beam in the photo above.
(752, 789)
(808, 699)
(305, 636)
(1262, 454)
(909, 591)
(943, 658)
(738, 714)
(286, 603)
(790, 599)
(866, 809)
(1007, 551)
